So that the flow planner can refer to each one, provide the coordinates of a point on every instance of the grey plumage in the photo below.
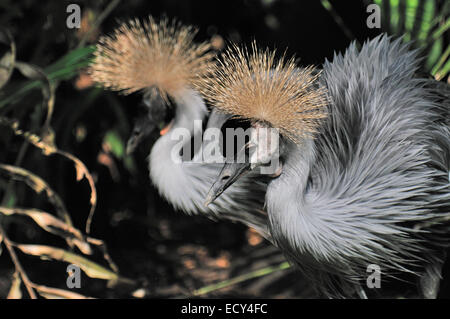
(373, 186)
(161, 59)
(375, 169)
(186, 184)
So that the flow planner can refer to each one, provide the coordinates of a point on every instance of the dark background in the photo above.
(168, 253)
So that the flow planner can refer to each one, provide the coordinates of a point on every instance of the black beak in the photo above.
(143, 127)
(230, 173)
(153, 111)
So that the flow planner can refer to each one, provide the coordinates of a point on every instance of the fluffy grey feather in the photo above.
(186, 184)
(373, 186)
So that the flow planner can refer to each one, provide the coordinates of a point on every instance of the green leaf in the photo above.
(116, 143)
(65, 68)
(438, 71)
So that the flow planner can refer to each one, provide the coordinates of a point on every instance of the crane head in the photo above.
(253, 84)
(145, 54)
(276, 95)
(158, 58)
(262, 151)
(152, 112)
(155, 114)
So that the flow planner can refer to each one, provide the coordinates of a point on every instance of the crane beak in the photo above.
(230, 173)
(143, 127)
(153, 112)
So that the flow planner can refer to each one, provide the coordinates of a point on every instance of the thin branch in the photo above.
(99, 21)
(338, 19)
(28, 284)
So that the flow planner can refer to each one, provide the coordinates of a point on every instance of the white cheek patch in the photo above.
(265, 142)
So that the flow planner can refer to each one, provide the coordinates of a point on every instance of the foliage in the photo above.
(61, 137)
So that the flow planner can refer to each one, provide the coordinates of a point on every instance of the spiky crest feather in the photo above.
(257, 86)
(149, 54)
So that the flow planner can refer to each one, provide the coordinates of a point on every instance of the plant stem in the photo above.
(99, 20)
(28, 284)
(254, 274)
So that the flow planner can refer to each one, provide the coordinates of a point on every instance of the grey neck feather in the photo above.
(354, 195)
(288, 216)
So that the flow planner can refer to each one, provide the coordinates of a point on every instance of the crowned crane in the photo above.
(161, 59)
(364, 152)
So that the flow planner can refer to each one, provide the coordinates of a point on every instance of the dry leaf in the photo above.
(14, 291)
(140, 293)
(90, 268)
(38, 185)
(82, 171)
(52, 225)
(34, 72)
(8, 60)
(48, 149)
(55, 293)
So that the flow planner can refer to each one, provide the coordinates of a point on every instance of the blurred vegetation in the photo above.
(426, 23)
(62, 140)
(61, 225)
(28, 119)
